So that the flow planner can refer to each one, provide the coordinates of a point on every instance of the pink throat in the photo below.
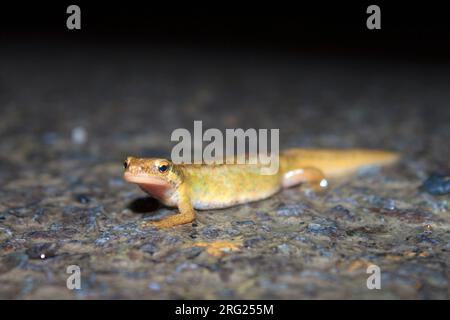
(158, 191)
(155, 187)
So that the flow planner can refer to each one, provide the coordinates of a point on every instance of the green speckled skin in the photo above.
(221, 186)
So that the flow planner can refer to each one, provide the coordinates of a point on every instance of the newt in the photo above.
(213, 186)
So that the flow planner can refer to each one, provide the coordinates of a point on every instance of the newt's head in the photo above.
(158, 177)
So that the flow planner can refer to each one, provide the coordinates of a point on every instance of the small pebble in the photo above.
(149, 248)
(210, 232)
(154, 286)
(253, 241)
(101, 241)
(243, 223)
(82, 198)
(437, 184)
(79, 135)
(314, 227)
(284, 248)
(233, 232)
(42, 251)
(291, 210)
(318, 228)
(380, 202)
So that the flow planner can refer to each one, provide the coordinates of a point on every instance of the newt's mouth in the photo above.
(144, 180)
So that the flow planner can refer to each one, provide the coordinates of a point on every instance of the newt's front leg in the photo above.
(186, 215)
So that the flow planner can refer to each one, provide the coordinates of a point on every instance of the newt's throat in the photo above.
(154, 186)
(159, 192)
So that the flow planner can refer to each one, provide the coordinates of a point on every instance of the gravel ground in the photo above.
(67, 121)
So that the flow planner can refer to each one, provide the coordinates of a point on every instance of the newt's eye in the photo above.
(163, 168)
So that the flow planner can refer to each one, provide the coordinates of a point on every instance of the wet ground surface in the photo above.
(67, 122)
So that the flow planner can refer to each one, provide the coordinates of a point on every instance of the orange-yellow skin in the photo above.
(190, 187)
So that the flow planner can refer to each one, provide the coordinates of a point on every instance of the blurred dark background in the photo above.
(146, 68)
(409, 31)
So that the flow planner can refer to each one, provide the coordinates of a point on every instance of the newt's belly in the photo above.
(229, 185)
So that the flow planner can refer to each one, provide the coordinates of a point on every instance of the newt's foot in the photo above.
(186, 215)
(169, 222)
(317, 187)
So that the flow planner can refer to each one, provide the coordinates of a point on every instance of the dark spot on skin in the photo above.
(143, 205)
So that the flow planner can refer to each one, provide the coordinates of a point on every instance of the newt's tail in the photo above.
(335, 162)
